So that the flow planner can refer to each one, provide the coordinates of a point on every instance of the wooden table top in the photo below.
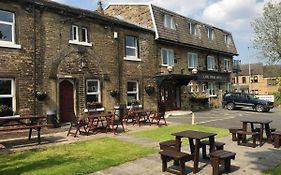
(257, 121)
(194, 134)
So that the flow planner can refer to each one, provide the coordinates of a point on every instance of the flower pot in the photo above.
(149, 90)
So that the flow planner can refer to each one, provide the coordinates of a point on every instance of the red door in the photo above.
(169, 94)
(66, 100)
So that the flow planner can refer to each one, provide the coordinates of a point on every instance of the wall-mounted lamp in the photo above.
(115, 35)
(170, 69)
(194, 71)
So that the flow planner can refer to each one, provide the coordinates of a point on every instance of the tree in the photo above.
(267, 32)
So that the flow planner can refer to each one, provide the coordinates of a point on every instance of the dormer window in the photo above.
(210, 32)
(169, 21)
(192, 28)
(227, 39)
(7, 30)
(79, 36)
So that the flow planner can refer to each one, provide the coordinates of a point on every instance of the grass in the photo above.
(273, 171)
(76, 158)
(164, 133)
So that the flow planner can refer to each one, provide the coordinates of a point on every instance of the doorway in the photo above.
(66, 100)
(170, 95)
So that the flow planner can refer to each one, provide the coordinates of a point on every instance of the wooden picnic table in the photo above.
(140, 115)
(194, 147)
(264, 125)
(95, 120)
(13, 123)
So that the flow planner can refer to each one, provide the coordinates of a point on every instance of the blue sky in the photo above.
(234, 16)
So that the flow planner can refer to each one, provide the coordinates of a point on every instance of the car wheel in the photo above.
(230, 106)
(259, 108)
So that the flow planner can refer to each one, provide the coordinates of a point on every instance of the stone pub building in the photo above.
(59, 59)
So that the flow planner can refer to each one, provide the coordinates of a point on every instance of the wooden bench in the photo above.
(258, 129)
(221, 156)
(167, 155)
(277, 140)
(242, 140)
(23, 127)
(233, 131)
(204, 143)
(168, 145)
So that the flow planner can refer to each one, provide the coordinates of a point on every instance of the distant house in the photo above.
(257, 78)
(194, 59)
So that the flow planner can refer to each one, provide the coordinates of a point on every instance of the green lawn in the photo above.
(76, 158)
(164, 133)
(273, 171)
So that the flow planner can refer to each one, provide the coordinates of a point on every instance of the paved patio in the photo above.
(248, 160)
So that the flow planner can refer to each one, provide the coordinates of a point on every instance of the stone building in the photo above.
(257, 79)
(59, 59)
(194, 59)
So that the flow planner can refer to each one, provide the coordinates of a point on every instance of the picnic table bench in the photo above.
(14, 123)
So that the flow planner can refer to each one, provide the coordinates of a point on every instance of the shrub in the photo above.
(277, 97)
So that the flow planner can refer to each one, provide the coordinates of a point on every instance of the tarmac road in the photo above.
(224, 118)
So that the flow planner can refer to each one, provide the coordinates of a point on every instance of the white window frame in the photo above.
(94, 93)
(192, 60)
(170, 60)
(212, 89)
(227, 87)
(169, 21)
(77, 40)
(227, 66)
(133, 92)
(227, 39)
(10, 44)
(130, 57)
(210, 32)
(84, 29)
(75, 37)
(12, 95)
(192, 28)
(211, 63)
(204, 87)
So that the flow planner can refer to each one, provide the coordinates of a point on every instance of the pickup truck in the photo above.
(236, 100)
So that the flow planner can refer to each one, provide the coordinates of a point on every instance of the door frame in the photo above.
(72, 81)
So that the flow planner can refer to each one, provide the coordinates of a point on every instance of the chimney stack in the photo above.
(99, 8)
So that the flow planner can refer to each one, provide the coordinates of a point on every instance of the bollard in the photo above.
(193, 119)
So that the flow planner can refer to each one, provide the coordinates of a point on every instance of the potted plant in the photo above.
(5, 111)
(41, 95)
(114, 93)
(149, 89)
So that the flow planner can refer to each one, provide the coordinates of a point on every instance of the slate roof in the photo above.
(182, 33)
(61, 8)
(181, 36)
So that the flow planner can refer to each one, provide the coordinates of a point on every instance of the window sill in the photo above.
(212, 96)
(132, 59)
(93, 110)
(80, 43)
(10, 45)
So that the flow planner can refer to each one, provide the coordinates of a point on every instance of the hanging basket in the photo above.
(149, 90)
(40, 95)
(114, 93)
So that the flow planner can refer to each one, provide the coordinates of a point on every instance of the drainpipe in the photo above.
(34, 61)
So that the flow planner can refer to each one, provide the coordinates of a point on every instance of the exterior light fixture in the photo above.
(170, 69)
(194, 71)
